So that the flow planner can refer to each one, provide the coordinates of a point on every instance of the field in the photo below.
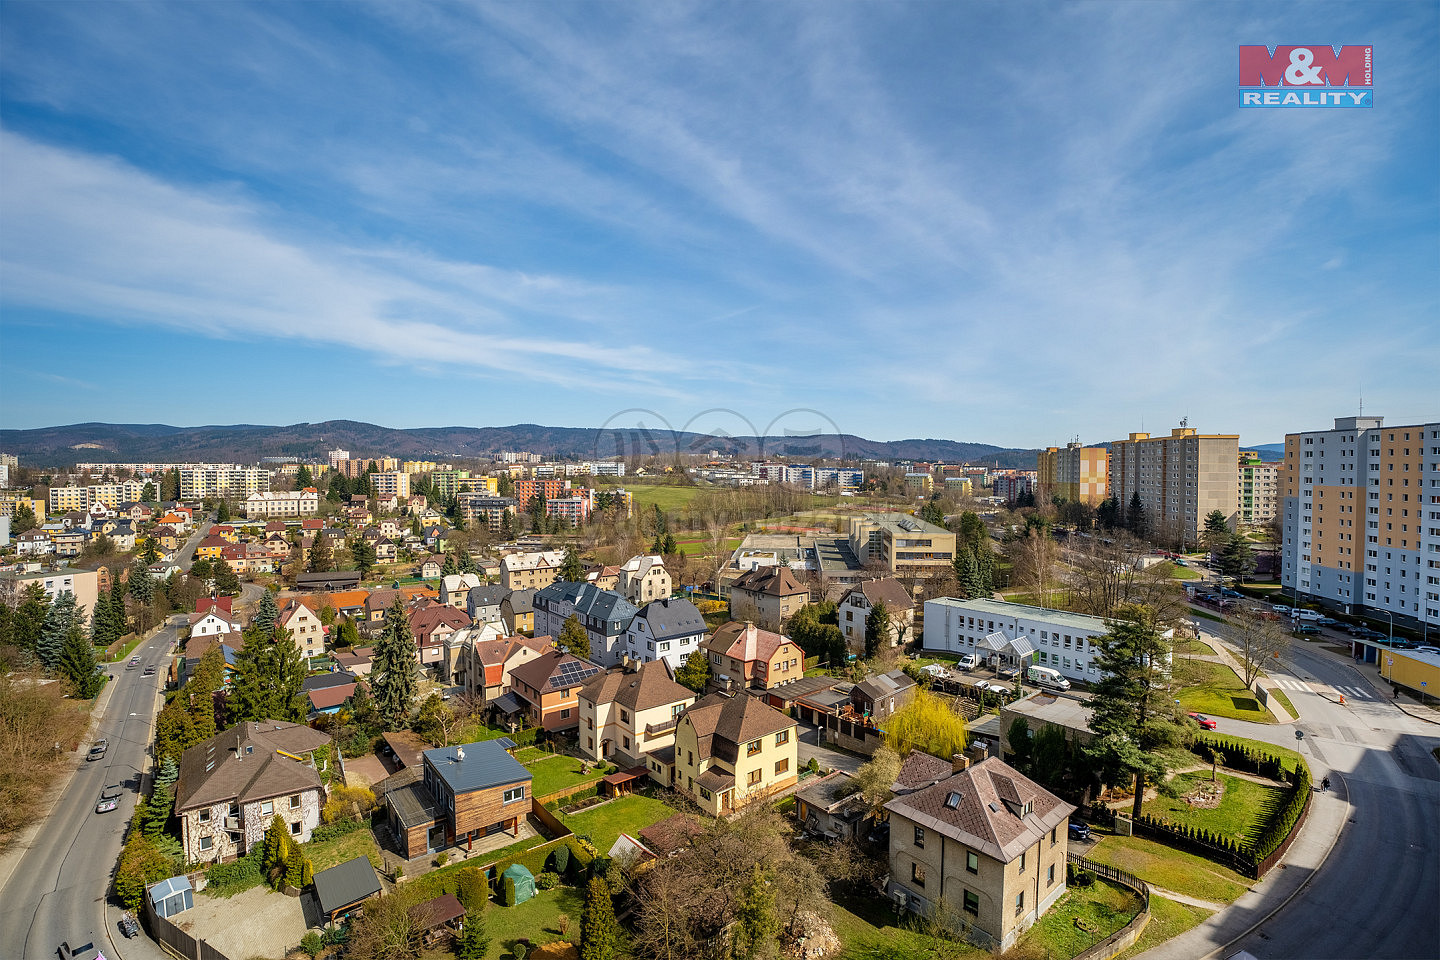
(604, 824)
(1103, 906)
(1170, 869)
(670, 497)
(1168, 919)
(1217, 691)
(1242, 811)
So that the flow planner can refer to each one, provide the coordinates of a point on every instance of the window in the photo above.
(753, 778)
(972, 862)
(565, 714)
(782, 737)
(1053, 831)
(204, 816)
(295, 829)
(917, 874)
(295, 802)
(267, 808)
(752, 748)
(589, 723)
(513, 794)
(782, 766)
(1050, 876)
(1022, 861)
(590, 742)
(972, 903)
(624, 717)
(206, 843)
(1019, 903)
(920, 837)
(626, 741)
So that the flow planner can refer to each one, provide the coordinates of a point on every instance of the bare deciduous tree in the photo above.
(1258, 641)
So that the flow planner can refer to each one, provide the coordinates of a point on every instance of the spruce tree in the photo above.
(322, 555)
(571, 570)
(877, 629)
(573, 638)
(58, 621)
(597, 922)
(30, 617)
(222, 513)
(302, 478)
(77, 664)
(266, 614)
(141, 585)
(449, 568)
(473, 942)
(394, 671)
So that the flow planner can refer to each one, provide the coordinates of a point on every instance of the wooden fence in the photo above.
(1128, 934)
(177, 941)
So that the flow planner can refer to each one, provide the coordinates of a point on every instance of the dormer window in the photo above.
(952, 800)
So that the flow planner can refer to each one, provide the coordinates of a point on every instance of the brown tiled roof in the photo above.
(537, 673)
(672, 834)
(649, 687)
(714, 780)
(745, 642)
(984, 806)
(241, 764)
(919, 771)
(890, 592)
(734, 719)
(425, 618)
(327, 697)
(775, 581)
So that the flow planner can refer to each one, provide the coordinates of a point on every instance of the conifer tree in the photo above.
(597, 922)
(77, 664)
(395, 666)
(474, 941)
(573, 638)
(571, 570)
(58, 621)
(266, 614)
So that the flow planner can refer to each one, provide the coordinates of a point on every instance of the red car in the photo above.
(1205, 722)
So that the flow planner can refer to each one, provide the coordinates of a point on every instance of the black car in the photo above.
(149, 671)
(1079, 830)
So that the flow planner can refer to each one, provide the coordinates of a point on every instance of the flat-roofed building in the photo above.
(901, 544)
(1075, 473)
(1180, 480)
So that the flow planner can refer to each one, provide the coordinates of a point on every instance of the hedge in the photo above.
(554, 805)
(1239, 756)
(337, 829)
(536, 858)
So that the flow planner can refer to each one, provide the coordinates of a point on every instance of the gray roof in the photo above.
(486, 595)
(521, 601)
(412, 804)
(590, 601)
(672, 618)
(485, 764)
(346, 884)
(885, 685)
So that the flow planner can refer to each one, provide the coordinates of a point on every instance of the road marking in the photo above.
(1294, 685)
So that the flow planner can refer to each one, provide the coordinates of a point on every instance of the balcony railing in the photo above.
(656, 729)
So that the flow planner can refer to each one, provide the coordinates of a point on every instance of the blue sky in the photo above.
(1006, 223)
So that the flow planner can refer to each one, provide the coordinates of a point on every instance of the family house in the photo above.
(546, 689)
(306, 631)
(668, 630)
(643, 578)
(855, 606)
(518, 611)
(487, 675)
(624, 716)
(768, 596)
(743, 655)
(465, 792)
(233, 785)
(730, 750)
(603, 613)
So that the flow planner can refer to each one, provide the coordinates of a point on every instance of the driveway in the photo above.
(827, 758)
(256, 923)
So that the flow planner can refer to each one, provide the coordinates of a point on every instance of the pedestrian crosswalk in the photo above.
(1354, 693)
(1348, 692)
(1295, 686)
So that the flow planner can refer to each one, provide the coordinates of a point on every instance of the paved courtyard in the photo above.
(256, 923)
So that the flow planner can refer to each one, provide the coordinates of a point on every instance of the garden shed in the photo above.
(524, 882)
(172, 896)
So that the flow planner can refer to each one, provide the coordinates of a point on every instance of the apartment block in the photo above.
(222, 480)
(391, 483)
(293, 503)
(1180, 479)
(1361, 517)
(1259, 484)
(905, 545)
(66, 499)
(483, 508)
(1074, 473)
(527, 490)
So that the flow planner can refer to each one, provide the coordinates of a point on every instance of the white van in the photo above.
(1046, 677)
(967, 662)
(1307, 614)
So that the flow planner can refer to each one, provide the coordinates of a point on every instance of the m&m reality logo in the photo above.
(1312, 76)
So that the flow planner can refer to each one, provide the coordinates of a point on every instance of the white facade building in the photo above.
(1060, 640)
(295, 503)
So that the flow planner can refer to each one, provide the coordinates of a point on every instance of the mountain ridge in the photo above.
(100, 442)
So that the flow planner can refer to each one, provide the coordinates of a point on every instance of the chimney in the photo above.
(958, 762)
(460, 753)
(978, 751)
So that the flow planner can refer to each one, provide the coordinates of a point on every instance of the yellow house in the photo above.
(730, 750)
(625, 716)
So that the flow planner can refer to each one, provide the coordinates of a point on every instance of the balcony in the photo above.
(232, 823)
(659, 729)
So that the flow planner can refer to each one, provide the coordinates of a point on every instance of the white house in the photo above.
(456, 587)
(668, 630)
(644, 578)
(854, 608)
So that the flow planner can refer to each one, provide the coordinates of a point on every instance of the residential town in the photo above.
(502, 693)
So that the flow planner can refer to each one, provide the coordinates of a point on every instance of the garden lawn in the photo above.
(871, 933)
(1171, 869)
(604, 824)
(1168, 920)
(1178, 573)
(1244, 809)
(535, 919)
(557, 773)
(329, 853)
(1190, 647)
(1106, 907)
(1217, 691)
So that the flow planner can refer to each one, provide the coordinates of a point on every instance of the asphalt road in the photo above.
(58, 891)
(1377, 894)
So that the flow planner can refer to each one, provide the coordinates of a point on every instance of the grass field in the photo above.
(868, 930)
(604, 824)
(1171, 869)
(1242, 811)
(1217, 691)
(330, 853)
(536, 919)
(556, 773)
(668, 496)
(1104, 907)
(1168, 920)
(1178, 573)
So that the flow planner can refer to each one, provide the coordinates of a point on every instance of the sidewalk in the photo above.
(1370, 674)
(1328, 813)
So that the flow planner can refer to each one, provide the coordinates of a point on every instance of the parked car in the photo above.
(967, 662)
(1079, 830)
(1427, 649)
(97, 750)
(1205, 722)
(1327, 622)
(1305, 629)
(1227, 592)
(109, 799)
(1280, 608)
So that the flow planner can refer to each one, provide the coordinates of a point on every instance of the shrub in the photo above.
(228, 879)
(141, 864)
(507, 894)
(347, 801)
(312, 944)
(519, 949)
(547, 880)
(472, 889)
(442, 858)
(334, 830)
(399, 870)
(813, 766)
(561, 859)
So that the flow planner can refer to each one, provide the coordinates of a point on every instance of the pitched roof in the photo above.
(241, 764)
(744, 641)
(885, 685)
(348, 599)
(590, 601)
(989, 806)
(888, 591)
(328, 697)
(670, 618)
(486, 595)
(346, 884)
(651, 686)
(555, 671)
(735, 720)
(427, 616)
(672, 834)
(521, 601)
(776, 581)
(918, 771)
